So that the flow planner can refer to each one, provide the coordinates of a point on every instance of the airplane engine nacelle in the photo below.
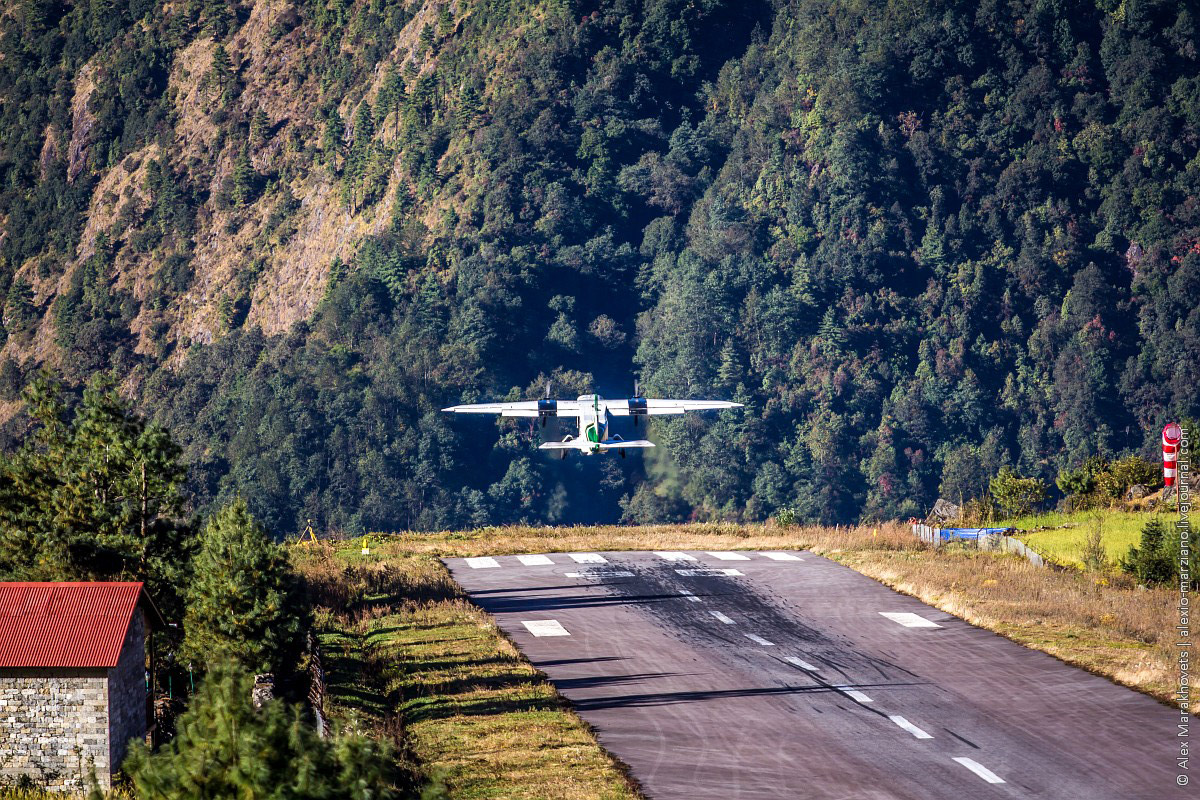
(637, 408)
(547, 408)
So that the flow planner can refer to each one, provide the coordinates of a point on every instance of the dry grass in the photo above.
(407, 655)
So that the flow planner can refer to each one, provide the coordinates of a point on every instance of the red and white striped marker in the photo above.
(1170, 441)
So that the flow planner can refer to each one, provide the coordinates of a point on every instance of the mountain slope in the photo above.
(919, 240)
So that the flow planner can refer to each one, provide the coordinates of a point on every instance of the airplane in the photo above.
(595, 415)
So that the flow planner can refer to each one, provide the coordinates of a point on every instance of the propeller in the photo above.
(543, 416)
(637, 392)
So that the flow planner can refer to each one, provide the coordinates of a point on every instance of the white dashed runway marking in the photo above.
(760, 640)
(482, 562)
(801, 663)
(721, 617)
(980, 770)
(674, 555)
(689, 595)
(703, 573)
(588, 558)
(909, 620)
(601, 573)
(545, 627)
(783, 557)
(908, 726)
(725, 555)
(534, 561)
(854, 694)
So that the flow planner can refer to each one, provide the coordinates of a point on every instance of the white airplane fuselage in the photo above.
(593, 425)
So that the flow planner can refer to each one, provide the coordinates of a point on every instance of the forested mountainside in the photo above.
(919, 240)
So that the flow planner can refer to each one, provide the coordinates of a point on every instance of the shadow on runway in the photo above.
(501, 606)
(699, 696)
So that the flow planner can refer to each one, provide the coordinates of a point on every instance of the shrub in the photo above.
(225, 747)
(1015, 494)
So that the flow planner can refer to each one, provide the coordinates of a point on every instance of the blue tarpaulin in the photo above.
(968, 533)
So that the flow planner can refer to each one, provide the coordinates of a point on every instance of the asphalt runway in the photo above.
(779, 676)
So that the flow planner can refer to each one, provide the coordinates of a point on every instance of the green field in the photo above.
(1118, 529)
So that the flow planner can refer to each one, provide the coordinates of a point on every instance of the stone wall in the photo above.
(127, 691)
(54, 725)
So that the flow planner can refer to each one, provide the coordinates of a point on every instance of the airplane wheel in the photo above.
(562, 454)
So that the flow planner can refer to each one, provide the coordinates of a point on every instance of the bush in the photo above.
(1126, 472)
(1017, 495)
(227, 748)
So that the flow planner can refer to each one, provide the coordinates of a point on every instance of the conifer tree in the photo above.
(1152, 562)
(245, 179)
(243, 604)
(260, 126)
(97, 498)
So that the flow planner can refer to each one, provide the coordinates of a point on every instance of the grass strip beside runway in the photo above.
(406, 655)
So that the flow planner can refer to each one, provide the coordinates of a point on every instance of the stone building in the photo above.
(73, 679)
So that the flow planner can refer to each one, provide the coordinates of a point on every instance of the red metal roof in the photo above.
(67, 624)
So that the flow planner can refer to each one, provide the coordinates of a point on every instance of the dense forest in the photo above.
(921, 241)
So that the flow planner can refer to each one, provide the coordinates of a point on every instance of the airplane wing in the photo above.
(656, 407)
(623, 445)
(522, 408)
(616, 444)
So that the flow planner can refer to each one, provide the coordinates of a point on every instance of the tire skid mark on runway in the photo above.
(766, 614)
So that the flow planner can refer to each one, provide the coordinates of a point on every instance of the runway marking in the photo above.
(482, 562)
(689, 595)
(908, 726)
(909, 620)
(545, 627)
(725, 555)
(703, 573)
(783, 557)
(980, 770)
(760, 640)
(801, 663)
(721, 617)
(854, 694)
(588, 558)
(674, 555)
(534, 561)
(600, 573)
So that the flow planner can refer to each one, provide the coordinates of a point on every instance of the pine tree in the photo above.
(245, 180)
(98, 498)
(260, 126)
(332, 136)
(1152, 562)
(360, 154)
(391, 96)
(220, 75)
(243, 604)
